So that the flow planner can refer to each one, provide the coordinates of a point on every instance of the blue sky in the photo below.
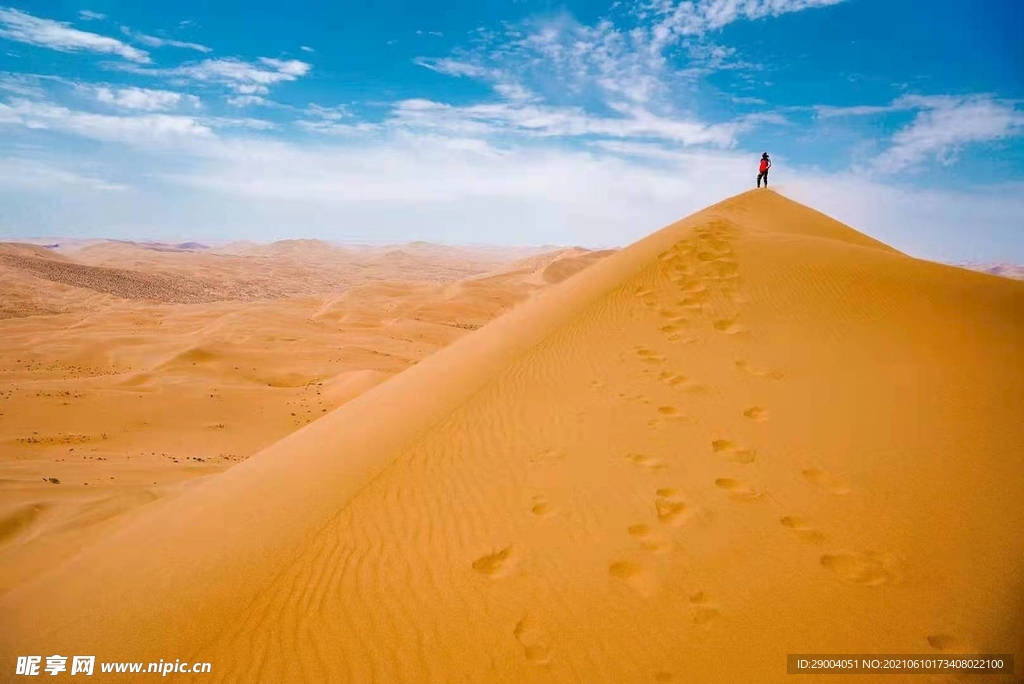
(509, 122)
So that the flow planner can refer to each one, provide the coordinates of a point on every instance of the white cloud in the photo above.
(586, 139)
(827, 112)
(246, 100)
(327, 113)
(945, 125)
(155, 42)
(291, 67)
(244, 78)
(453, 67)
(333, 128)
(21, 84)
(56, 35)
(603, 67)
(460, 189)
(688, 18)
(544, 121)
(236, 122)
(144, 99)
(146, 130)
(31, 174)
(87, 15)
(251, 89)
(306, 48)
(942, 126)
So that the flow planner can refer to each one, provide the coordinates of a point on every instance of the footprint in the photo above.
(640, 531)
(645, 461)
(948, 644)
(495, 564)
(669, 411)
(728, 326)
(671, 379)
(692, 304)
(735, 452)
(534, 642)
(802, 529)
(669, 506)
(540, 507)
(648, 538)
(648, 356)
(860, 568)
(662, 422)
(720, 445)
(693, 286)
(756, 413)
(696, 297)
(636, 576)
(833, 483)
(662, 677)
(704, 612)
(739, 490)
(723, 269)
(759, 372)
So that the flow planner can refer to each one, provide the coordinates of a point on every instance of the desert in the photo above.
(512, 342)
(755, 432)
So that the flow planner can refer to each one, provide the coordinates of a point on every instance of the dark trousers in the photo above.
(763, 174)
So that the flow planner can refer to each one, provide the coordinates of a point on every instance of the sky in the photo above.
(512, 122)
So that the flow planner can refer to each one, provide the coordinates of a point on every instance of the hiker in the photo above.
(762, 171)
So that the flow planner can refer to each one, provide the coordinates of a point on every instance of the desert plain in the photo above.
(755, 432)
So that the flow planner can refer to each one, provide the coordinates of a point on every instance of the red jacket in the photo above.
(764, 165)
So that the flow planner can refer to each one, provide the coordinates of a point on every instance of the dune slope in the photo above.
(756, 432)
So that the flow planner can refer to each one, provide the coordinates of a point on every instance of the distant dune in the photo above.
(125, 396)
(1014, 271)
(756, 432)
(195, 273)
(123, 283)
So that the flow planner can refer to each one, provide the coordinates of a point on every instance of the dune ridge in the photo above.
(108, 403)
(741, 437)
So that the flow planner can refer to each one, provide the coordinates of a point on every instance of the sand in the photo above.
(756, 432)
(116, 390)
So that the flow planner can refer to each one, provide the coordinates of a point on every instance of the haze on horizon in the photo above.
(518, 122)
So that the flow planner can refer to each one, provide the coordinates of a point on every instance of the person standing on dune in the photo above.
(762, 171)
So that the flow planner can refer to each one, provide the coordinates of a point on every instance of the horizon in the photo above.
(521, 123)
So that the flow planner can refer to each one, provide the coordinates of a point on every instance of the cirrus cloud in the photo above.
(56, 35)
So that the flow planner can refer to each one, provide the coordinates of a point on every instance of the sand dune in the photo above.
(756, 432)
(1014, 271)
(110, 402)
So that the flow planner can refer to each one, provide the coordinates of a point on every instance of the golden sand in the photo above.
(755, 432)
